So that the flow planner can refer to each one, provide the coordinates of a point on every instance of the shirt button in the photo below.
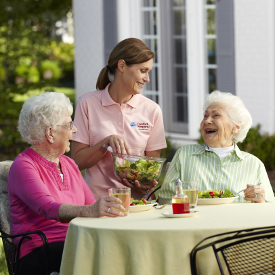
(119, 123)
(119, 113)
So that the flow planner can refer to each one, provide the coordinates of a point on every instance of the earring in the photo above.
(51, 141)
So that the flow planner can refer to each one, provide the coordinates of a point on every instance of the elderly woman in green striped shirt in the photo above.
(219, 163)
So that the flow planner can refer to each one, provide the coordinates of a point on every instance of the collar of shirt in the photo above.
(106, 99)
(203, 148)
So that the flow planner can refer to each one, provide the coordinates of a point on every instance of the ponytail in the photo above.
(131, 50)
(103, 79)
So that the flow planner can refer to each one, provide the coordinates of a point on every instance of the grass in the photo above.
(3, 264)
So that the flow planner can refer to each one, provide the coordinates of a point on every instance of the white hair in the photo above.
(40, 112)
(236, 110)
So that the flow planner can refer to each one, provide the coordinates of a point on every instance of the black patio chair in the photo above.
(248, 251)
(12, 251)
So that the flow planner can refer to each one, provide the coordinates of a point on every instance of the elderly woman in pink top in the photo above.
(46, 188)
(118, 116)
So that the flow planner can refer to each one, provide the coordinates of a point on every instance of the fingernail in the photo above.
(121, 214)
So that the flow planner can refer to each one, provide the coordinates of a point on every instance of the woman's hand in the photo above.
(105, 207)
(254, 193)
(138, 186)
(119, 145)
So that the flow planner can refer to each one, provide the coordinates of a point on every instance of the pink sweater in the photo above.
(36, 192)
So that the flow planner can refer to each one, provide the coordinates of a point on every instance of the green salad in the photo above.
(215, 194)
(142, 170)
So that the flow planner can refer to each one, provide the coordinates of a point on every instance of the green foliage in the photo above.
(39, 13)
(50, 69)
(3, 263)
(260, 145)
(31, 58)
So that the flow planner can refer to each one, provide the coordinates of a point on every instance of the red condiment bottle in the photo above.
(180, 202)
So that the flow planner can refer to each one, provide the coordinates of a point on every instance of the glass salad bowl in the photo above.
(141, 168)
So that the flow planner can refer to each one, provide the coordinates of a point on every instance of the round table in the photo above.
(149, 243)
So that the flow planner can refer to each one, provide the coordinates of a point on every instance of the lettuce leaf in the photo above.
(217, 194)
(142, 170)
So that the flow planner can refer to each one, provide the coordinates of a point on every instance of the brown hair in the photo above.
(131, 50)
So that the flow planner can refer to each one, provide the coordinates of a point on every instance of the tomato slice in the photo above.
(212, 194)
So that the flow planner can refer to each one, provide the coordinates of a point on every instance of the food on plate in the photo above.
(140, 202)
(142, 170)
(215, 194)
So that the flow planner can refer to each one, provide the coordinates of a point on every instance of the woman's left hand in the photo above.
(139, 187)
(254, 193)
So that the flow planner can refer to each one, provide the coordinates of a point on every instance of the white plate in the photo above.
(186, 215)
(140, 208)
(216, 200)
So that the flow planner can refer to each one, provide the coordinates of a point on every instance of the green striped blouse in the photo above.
(234, 172)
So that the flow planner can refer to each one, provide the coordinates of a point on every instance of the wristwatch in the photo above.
(109, 148)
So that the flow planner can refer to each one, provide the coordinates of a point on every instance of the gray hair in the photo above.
(236, 110)
(42, 111)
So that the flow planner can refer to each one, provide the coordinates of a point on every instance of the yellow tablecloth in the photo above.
(147, 243)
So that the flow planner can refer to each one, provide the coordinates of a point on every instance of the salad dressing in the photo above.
(180, 202)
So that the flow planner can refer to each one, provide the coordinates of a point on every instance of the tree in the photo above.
(28, 58)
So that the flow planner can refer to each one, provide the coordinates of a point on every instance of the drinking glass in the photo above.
(124, 194)
(190, 188)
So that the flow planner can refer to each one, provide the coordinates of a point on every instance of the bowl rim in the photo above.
(140, 157)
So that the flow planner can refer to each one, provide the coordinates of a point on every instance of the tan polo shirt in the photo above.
(139, 121)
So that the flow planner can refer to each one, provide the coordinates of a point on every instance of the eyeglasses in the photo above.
(69, 126)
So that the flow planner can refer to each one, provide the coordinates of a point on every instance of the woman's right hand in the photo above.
(119, 145)
(105, 207)
(86, 156)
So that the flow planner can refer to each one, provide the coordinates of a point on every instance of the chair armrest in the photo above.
(26, 235)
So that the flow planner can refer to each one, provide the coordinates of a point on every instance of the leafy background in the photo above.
(33, 59)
